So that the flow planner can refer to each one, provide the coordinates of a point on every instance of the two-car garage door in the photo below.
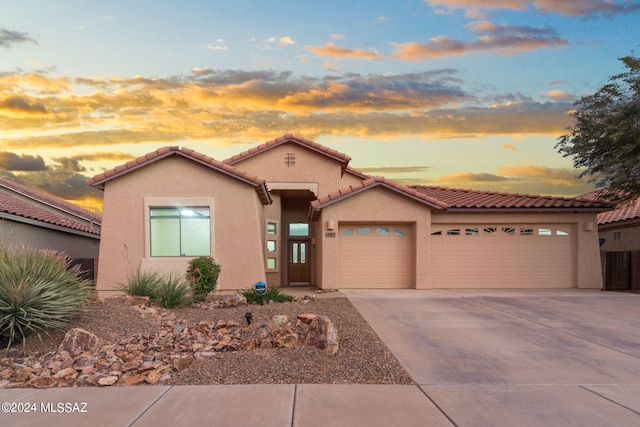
(375, 256)
(502, 256)
(461, 256)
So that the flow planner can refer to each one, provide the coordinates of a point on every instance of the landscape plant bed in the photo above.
(362, 358)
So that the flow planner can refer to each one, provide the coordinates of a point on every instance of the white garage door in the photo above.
(374, 256)
(502, 256)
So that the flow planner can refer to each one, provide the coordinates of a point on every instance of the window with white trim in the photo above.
(179, 231)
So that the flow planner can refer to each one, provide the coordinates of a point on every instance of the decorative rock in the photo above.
(235, 300)
(153, 377)
(286, 338)
(280, 319)
(183, 363)
(320, 333)
(43, 382)
(131, 379)
(108, 380)
(79, 340)
(66, 373)
(136, 300)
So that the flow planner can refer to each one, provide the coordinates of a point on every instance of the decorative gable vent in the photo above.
(290, 159)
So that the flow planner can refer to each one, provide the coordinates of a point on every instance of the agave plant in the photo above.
(38, 291)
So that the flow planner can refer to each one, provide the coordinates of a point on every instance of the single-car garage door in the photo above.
(502, 256)
(375, 256)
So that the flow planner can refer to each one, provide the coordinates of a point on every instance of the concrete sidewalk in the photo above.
(231, 405)
(479, 357)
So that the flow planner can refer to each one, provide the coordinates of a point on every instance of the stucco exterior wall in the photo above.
(236, 223)
(627, 237)
(310, 167)
(13, 233)
(587, 268)
(348, 179)
(377, 205)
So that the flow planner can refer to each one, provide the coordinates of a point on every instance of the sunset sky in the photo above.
(458, 93)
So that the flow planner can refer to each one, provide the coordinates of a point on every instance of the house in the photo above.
(38, 220)
(619, 232)
(292, 212)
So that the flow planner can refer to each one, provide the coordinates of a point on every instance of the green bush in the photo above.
(173, 292)
(141, 283)
(203, 273)
(38, 290)
(272, 294)
(170, 291)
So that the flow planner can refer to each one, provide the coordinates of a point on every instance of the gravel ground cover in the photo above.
(362, 357)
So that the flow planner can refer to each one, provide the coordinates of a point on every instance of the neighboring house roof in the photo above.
(623, 212)
(467, 200)
(259, 185)
(377, 181)
(25, 206)
(49, 200)
(291, 138)
(356, 172)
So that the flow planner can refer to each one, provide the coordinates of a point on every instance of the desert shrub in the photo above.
(170, 291)
(141, 283)
(272, 294)
(38, 291)
(203, 273)
(173, 292)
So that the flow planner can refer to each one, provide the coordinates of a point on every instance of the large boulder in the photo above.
(77, 341)
(318, 331)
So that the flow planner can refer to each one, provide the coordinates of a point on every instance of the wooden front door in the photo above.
(299, 261)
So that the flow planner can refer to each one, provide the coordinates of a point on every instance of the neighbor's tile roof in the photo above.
(376, 181)
(291, 138)
(161, 153)
(21, 208)
(459, 199)
(622, 212)
(50, 200)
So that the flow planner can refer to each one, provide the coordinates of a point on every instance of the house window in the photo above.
(471, 232)
(453, 232)
(298, 229)
(509, 231)
(617, 235)
(544, 232)
(272, 254)
(526, 231)
(290, 159)
(382, 231)
(271, 228)
(490, 231)
(364, 231)
(180, 231)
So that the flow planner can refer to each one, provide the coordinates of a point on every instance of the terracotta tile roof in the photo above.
(260, 186)
(291, 138)
(357, 173)
(50, 200)
(622, 212)
(377, 181)
(20, 208)
(459, 199)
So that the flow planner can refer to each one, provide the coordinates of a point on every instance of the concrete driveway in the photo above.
(516, 357)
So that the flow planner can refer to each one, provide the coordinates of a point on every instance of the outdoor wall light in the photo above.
(249, 316)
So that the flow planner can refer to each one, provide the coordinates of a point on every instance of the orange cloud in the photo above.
(509, 147)
(504, 39)
(330, 49)
(562, 7)
(558, 95)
